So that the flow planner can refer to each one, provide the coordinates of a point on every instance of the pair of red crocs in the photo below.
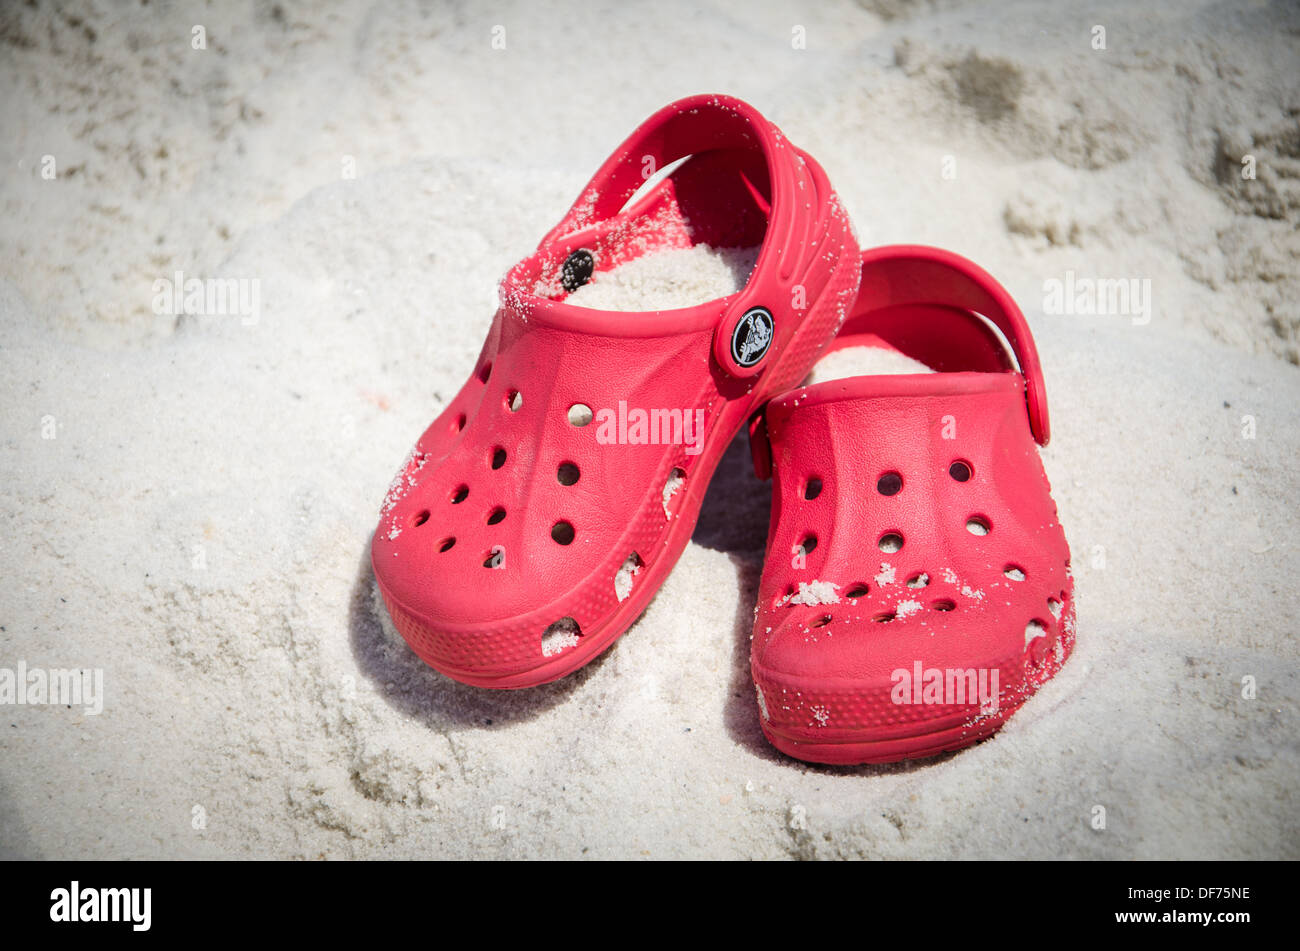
(916, 587)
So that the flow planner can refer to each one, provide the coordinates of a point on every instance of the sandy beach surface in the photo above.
(187, 501)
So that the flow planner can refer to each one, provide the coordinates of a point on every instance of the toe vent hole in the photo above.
(420, 518)
(859, 590)
(495, 559)
(978, 525)
(485, 372)
(567, 474)
(560, 636)
(498, 457)
(813, 488)
(460, 495)
(808, 545)
(626, 575)
(884, 618)
(960, 470)
(676, 479)
(822, 621)
(562, 532)
(1014, 572)
(579, 414)
(497, 515)
(459, 424)
(890, 542)
(918, 580)
(447, 543)
(944, 604)
(891, 483)
(1033, 630)
(514, 401)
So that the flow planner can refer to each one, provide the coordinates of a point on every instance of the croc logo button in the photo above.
(752, 336)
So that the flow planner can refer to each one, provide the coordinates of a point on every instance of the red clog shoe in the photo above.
(539, 513)
(917, 585)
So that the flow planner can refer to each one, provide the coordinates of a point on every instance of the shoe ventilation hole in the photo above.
(859, 590)
(497, 515)
(514, 400)
(484, 373)
(497, 556)
(977, 526)
(891, 483)
(626, 576)
(498, 457)
(676, 479)
(943, 604)
(560, 636)
(567, 474)
(460, 495)
(960, 470)
(919, 580)
(884, 618)
(1014, 572)
(808, 545)
(447, 543)
(420, 518)
(822, 621)
(562, 532)
(1055, 607)
(460, 422)
(891, 542)
(812, 489)
(579, 414)
(1034, 629)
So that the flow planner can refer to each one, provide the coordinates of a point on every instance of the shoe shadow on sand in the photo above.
(415, 689)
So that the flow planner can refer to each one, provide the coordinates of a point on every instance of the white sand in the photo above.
(815, 592)
(861, 361)
(680, 277)
(199, 526)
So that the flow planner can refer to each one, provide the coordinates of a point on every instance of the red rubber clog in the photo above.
(539, 513)
(917, 584)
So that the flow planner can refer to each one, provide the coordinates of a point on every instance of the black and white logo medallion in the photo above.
(752, 336)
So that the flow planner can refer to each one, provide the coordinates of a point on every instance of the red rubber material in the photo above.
(743, 185)
(828, 674)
